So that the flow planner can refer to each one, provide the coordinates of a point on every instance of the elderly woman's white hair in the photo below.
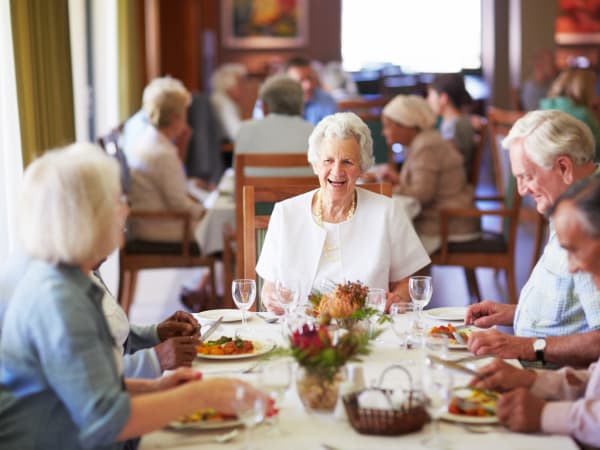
(69, 206)
(343, 125)
(163, 98)
(227, 76)
(411, 111)
(551, 133)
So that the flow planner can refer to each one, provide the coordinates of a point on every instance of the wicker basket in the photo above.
(387, 422)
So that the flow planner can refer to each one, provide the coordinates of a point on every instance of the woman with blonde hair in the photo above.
(61, 383)
(573, 92)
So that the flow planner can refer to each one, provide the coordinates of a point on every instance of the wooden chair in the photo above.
(253, 223)
(139, 254)
(479, 138)
(500, 122)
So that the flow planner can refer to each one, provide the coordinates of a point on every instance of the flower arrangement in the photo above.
(347, 304)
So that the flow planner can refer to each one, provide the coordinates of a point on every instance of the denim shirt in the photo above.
(57, 364)
(320, 105)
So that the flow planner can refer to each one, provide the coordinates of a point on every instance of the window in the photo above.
(419, 36)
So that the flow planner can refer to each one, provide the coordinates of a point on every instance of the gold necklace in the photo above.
(318, 214)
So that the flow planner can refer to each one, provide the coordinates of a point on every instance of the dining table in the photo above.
(304, 430)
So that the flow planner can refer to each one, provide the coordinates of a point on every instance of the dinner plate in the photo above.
(451, 313)
(229, 315)
(459, 418)
(205, 424)
(455, 345)
(260, 348)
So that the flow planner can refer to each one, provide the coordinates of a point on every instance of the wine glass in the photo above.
(287, 295)
(250, 410)
(437, 388)
(420, 289)
(244, 293)
(275, 378)
(376, 299)
(403, 320)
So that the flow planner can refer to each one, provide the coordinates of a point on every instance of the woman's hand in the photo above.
(268, 297)
(179, 376)
(398, 293)
(220, 394)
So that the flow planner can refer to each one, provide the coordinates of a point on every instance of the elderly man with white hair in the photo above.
(557, 318)
(432, 172)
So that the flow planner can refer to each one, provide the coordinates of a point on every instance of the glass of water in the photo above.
(437, 388)
(251, 410)
(420, 289)
(275, 378)
(243, 293)
(403, 321)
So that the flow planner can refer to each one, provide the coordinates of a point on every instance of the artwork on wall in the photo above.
(578, 22)
(253, 24)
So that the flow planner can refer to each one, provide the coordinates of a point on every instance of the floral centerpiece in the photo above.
(347, 304)
(320, 358)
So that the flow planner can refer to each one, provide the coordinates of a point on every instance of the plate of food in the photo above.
(229, 315)
(227, 347)
(473, 406)
(449, 330)
(451, 313)
(205, 419)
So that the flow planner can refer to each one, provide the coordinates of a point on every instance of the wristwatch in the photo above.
(539, 345)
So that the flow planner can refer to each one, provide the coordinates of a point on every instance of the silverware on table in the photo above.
(454, 366)
(211, 330)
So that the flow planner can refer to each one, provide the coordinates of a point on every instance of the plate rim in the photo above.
(427, 312)
(269, 344)
(207, 425)
(458, 418)
(222, 311)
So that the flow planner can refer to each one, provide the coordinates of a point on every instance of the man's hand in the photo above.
(176, 352)
(494, 342)
(487, 314)
(179, 324)
(501, 376)
(519, 410)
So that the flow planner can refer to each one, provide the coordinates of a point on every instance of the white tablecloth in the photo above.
(309, 431)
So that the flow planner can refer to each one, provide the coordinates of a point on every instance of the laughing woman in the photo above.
(339, 232)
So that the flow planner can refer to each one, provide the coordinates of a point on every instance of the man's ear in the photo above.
(565, 168)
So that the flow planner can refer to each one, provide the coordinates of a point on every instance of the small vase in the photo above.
(318, 393)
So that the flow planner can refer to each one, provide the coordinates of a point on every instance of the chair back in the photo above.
(243, 162)
(110, 144)
(255, 225)
(479, 143)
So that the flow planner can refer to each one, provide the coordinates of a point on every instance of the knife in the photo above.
(211, 330)
(455, 366)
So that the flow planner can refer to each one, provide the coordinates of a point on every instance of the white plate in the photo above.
(229, 315)
(451, 313)
(469, 419)
(260, 348)
(455, 345)
(205, 424)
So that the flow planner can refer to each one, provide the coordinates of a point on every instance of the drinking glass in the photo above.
(275, 378)
(436, 345)
(250, 410)
(420, 289)
(437, 388)
(403, 321)
(243, 293)
(287, 295)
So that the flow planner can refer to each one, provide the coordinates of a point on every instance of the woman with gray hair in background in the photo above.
(227, 92)
(432, 172)
(348, 233)
(61, 383)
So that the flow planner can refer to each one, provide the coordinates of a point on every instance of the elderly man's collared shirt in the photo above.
(555, 302)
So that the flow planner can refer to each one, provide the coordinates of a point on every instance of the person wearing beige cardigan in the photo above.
(432, 172)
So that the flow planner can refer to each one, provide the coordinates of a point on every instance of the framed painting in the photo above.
(578, 22)
(253, 24)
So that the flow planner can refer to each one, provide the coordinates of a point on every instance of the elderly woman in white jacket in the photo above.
(339, 232)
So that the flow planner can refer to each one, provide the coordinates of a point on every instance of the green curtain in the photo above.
(131, 56)
(43, 70)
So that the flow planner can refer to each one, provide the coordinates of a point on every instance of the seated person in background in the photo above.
(565, 401)
(573, 92)
(283, 130)
(227, 92)
(337, 82)
(348, 233)
(446, 96)
(158, 182)
(61, 384)
(536, 86)
(558, 313)
(433, 170)
(147, 350)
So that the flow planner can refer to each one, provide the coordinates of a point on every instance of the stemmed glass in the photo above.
(403, 320)
(250, 410)
(275, 378)
(437, 387)
(420, 289)
(243, 293)
(376, 299)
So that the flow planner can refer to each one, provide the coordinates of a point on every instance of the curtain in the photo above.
(43, 71)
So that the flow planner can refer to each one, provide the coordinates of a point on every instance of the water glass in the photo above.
(420, 289)
(403, 321)
(243, 293)
(275, 377)
(436, 345)
(438, 383)
(250, 410)
(287, 295)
